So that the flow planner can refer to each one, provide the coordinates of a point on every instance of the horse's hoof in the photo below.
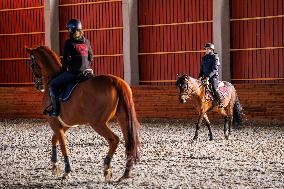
(55, 169)
(126, 175)
(195, 138)
(123, 178)
(66, 175)
(108, 175)
(227, 137)
(211, 138)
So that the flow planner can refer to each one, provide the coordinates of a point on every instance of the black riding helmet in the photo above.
(73, 25)
(209, 45)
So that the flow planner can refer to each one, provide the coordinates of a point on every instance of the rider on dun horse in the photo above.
(220, 97)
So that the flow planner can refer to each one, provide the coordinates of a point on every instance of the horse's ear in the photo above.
(28, 49)
(178, 75)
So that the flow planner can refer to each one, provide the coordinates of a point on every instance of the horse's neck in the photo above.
(199, 91)
(196, 84)
(50, 61)
(51, 67)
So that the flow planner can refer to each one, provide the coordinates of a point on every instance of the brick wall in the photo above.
(260, 101)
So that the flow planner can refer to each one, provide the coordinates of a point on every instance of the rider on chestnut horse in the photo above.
(209, 70)
(77, 57)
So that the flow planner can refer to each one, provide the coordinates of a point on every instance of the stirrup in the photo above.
(51, 113)
(220, 105)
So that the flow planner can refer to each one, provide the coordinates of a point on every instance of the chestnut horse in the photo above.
(193, 89)
(95, 102)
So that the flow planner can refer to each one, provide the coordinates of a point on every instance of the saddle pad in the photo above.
(221, 84)
(223, 91)
(65, 93)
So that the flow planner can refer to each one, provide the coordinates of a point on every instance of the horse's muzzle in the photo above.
(39, 87)
(182, 100)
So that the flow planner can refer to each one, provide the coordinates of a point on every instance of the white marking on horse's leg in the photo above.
(65, 124)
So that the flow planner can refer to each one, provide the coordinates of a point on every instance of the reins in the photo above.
(192, 91)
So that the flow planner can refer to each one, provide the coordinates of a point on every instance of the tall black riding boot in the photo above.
(55, 105)
(219, 101)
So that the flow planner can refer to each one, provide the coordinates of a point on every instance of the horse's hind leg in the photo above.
(226, 132)
(129, 159)
(230, 115)
(208, 126)
(113, 140)
(54, 141)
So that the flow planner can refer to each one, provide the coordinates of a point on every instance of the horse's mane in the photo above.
(51, 54)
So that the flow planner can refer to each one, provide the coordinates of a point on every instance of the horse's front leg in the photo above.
(59, 133)
(208, 126)
(55, 166)
(198, 126)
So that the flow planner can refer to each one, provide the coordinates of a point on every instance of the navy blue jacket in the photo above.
(209, 65)
(77, 55)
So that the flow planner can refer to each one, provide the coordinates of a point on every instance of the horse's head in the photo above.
(36, 69)
(45, 65)
(186, 87)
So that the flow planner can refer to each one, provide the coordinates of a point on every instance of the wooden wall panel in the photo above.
(257, 41)
(171, 38)
(102, 23)
(22, 25)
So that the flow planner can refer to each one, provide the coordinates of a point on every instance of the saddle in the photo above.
(223, 90)
(65, 92)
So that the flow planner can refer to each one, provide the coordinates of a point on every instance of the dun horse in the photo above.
(94, 102)
(193, 89)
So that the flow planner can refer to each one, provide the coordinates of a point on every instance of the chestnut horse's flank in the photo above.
(93, 102)
(194, 90)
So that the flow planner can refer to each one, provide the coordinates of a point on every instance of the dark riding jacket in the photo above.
(209, 65)
(77, 55)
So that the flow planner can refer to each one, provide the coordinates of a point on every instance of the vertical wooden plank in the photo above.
(191, 62)
(249, 39)
(113, 36)
(258, 57)
(187, 34)
(159, 20)
(262, 56)
(107, 41)
(163, 38)
(275, 42)
(281, 43)
(155, 63)
(254, 40)
(168, 41)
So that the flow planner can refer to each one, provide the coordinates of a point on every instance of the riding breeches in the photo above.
(60, 81)
(214, 82)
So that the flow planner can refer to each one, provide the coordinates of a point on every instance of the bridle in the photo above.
(186, 90)
(37, 76)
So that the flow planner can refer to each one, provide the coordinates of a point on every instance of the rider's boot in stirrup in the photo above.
(219, 101)
(55, 106)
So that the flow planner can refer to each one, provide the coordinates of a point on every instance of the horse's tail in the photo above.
(237, 113)
(132, 139)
